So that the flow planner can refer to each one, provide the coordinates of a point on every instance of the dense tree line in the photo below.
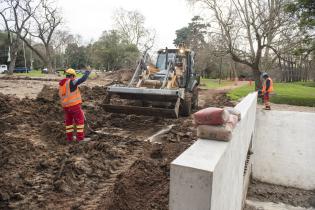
(32, 37)
(253, 35)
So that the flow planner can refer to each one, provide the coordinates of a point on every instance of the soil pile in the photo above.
(5, 104)
(122, 75)
(145, 185)
(215, 98)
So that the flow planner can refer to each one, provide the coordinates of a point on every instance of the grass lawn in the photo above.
(297, 93)
(33, 73)
(91, 76)
(214, 83)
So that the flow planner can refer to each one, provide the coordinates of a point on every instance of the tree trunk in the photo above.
(49, 62)
(257, 78)
(13, 55)
(12, 63)
(50, 67)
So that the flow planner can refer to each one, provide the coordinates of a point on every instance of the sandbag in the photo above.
(211, 116)
(219, 132)
(222, 132)
(233, 111)
(233, 120)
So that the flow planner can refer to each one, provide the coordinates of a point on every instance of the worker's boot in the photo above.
(267, 108)
(73, 139)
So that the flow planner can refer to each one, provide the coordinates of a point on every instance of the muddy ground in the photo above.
(259, 191)
(116, 170)
(29, 87)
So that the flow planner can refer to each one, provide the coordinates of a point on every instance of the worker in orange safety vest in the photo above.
(71, 101)
(266, 90)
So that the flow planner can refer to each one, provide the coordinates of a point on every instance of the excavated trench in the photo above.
(117, 169)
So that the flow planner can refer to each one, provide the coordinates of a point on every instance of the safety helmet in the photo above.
(71, 72)
(264, 74)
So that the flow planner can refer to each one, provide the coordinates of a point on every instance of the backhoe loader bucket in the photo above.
(147, 101)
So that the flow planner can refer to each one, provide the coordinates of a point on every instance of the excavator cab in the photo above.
(168, 88)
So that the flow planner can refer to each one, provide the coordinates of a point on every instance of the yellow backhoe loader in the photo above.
(168, 89)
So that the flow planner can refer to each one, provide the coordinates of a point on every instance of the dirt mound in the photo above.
(144, 186)
(95, 93)
(13, 112)
(18, 157)
(122, 75)
(132, 121)
(215, 98)
(48, 94)
(47, 105)
(53, 132)
(5, 104)
(222, 100)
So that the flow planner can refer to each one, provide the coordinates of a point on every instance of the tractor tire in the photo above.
(195, 98)
(186, 105)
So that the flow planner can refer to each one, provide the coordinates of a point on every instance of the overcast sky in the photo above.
(90, 18)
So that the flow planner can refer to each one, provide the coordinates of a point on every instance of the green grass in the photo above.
(240, 92)
(91, 76)
(307, 84)
(33, 73)
(214, 83)
(299, 93)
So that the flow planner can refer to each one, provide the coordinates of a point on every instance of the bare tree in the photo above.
(45, 22)
(59, 42)
(16, 15)
(130, 24)
(249, 28)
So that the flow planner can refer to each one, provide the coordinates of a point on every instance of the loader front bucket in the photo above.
(143, 101)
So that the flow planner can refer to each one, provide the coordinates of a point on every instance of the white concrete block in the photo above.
(209, 174)
(284, 148)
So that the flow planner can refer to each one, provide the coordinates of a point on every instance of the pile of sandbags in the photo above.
(216, 123)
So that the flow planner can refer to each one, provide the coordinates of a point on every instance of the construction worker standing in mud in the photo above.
(71, 101)
(266, 90)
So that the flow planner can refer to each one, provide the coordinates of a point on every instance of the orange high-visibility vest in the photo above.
(270, 88)
(68, 98)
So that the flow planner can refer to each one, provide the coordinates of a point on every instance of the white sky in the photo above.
(90, 18)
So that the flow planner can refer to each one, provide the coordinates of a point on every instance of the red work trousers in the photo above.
(266, 100)
(74, 121)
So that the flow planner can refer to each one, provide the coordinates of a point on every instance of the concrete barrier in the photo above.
(210, 174)
(284, 148)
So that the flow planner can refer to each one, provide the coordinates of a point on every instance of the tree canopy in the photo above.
(192, 35)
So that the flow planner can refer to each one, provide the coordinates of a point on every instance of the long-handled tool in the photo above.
(88, 125)
(90, 129)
